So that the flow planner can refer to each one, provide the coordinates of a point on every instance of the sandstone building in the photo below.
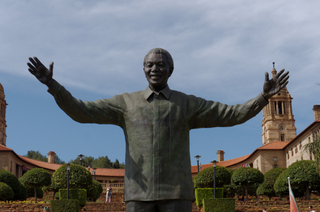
(280, 145)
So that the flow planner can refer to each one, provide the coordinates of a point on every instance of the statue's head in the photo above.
(158, 67)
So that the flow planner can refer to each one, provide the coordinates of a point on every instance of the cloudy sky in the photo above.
(221, 51)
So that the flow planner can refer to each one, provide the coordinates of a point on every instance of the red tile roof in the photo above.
(4, 148)
(110, 172)
(274, 145)
(234, 161)
(41, 164)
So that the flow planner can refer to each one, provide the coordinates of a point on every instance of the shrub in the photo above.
(22, 195)
(36, 178)
(246, 177)
(71, 205)
(78, 194)
(12, 181)
(30, 193)
(204, 179)
(219, 205)
(207, 193)
(6, 192)
(56, 195)
(94, 190)
(79, 177)
(303, 177)
(266, 188)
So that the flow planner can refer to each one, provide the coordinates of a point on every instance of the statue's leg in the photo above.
(174, 206)
(141, 206)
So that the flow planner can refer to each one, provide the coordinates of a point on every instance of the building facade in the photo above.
(280, 145)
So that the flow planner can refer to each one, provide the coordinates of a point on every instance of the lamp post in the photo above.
(68, 169)
(81, 156)
(94, 173)
(197, 156)
(214, 164)
(89, 167)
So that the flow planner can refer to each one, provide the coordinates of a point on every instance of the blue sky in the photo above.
(221, 50)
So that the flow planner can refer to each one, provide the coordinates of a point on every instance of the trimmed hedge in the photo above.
(71, 205)
(6, 192)
(219, 205)
(78, 194)
(207, 193)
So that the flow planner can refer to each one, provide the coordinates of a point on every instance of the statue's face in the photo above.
(157, 71)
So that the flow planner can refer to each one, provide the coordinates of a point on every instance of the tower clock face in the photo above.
(282, 127)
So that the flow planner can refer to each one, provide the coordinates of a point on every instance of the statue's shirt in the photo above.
(156, 128)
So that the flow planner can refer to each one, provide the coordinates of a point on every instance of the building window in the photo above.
(300, 146)
(291, 152)
(279, 107)
(275, 166)
(288, 155)
(296, 150)
(282, 137)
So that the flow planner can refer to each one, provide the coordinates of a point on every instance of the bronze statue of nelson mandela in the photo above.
(156, 123)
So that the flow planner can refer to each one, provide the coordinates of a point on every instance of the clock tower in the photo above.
(278, 121)
(3, 125)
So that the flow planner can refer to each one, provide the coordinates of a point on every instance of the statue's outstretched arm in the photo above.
(274, 85)
(41, 72)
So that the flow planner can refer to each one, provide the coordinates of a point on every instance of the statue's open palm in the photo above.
(41, 72)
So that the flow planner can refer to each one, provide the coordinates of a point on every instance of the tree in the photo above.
(204, 179)
(38, 156)
(79, 177)
(303, 177)
(6, 193)
(100, 162)
(85, 161)
(116, 165)
(245, 177)
(36, 178)
(314, 148)
(12, 181)
(57, 160)
(266, 188)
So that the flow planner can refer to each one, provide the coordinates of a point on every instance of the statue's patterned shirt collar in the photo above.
(165, 91)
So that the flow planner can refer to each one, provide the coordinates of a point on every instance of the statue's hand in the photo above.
(274, 85)
(41, 72)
